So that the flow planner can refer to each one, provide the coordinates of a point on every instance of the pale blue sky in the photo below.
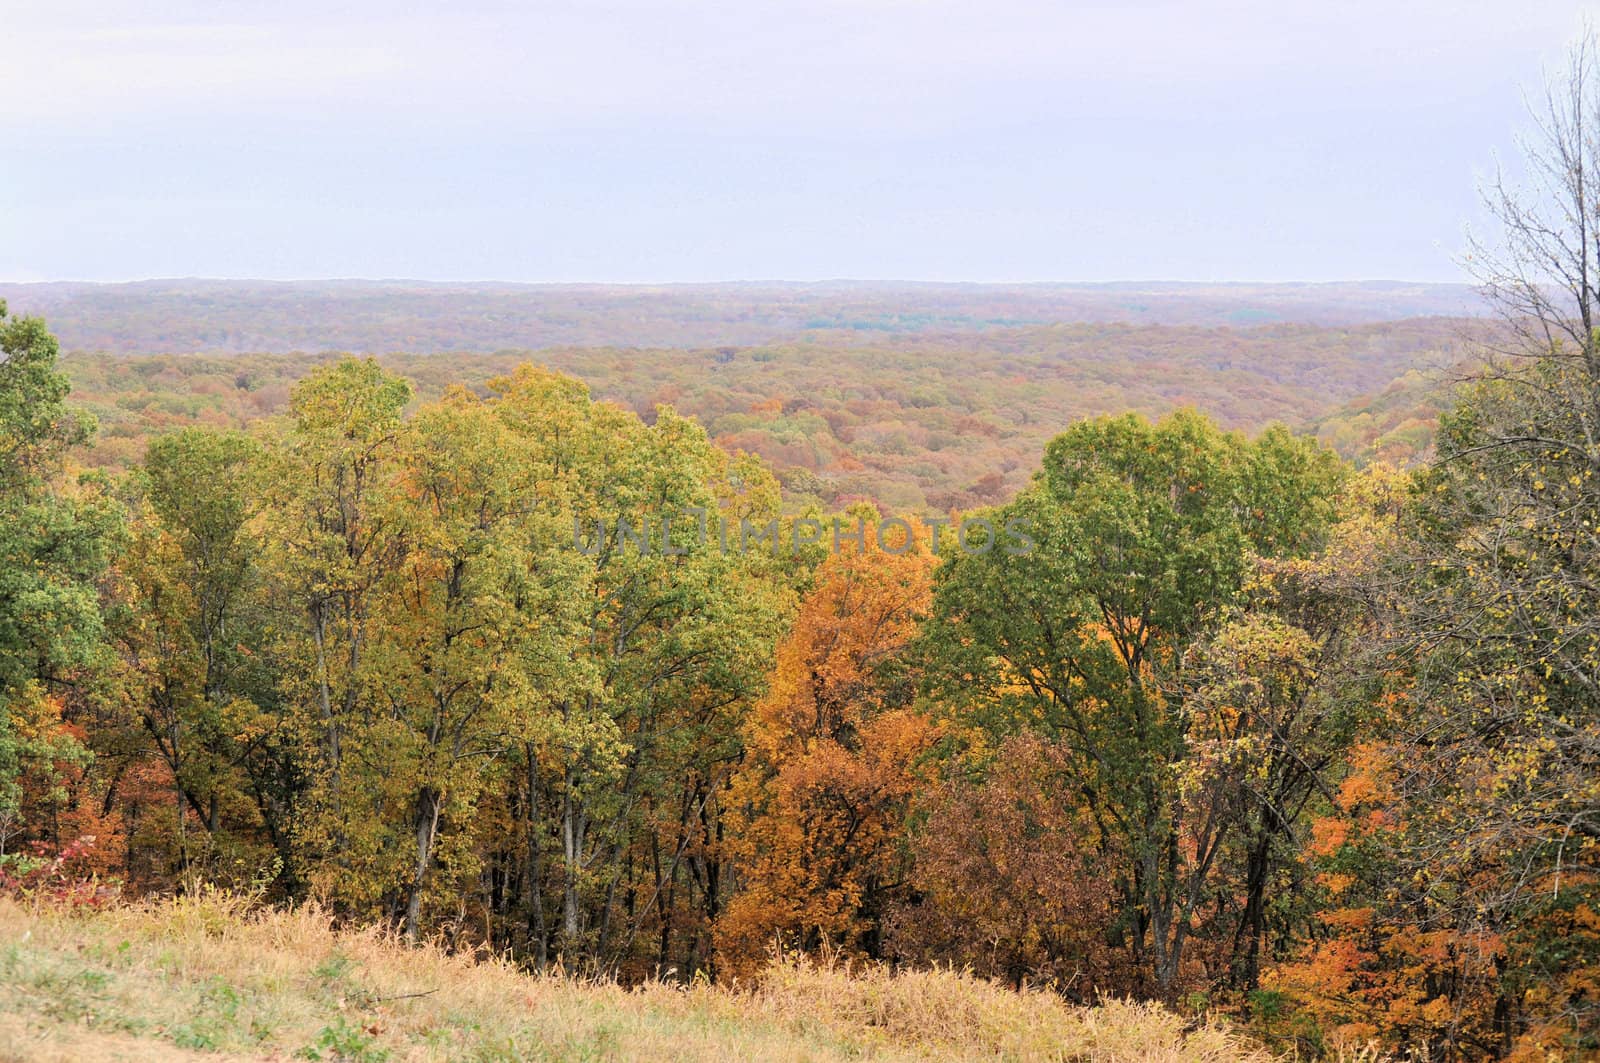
(696, 140)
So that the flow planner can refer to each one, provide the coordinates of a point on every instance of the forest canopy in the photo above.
(1297, 724)
(922, 424)
(344, 647)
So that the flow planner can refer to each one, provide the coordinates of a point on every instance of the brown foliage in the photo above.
(1009, 883)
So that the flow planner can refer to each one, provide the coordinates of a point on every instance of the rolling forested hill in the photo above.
(917, 421)
(184, 316)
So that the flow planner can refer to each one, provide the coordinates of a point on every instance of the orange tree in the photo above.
(830, 759)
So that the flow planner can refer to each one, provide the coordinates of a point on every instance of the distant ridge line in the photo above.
(187, 315)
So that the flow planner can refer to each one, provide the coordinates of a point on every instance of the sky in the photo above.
(692, 140)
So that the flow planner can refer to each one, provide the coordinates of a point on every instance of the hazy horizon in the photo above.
(754, 281)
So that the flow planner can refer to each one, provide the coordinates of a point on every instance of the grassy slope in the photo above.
(205, 979)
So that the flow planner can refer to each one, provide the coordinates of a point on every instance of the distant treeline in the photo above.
(196, 316)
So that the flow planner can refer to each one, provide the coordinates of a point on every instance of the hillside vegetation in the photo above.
(919, 423)
(1175, 735)
(208, 978)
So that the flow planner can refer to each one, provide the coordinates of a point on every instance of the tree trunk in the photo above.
(536, 925)
(1245, 966)
(427, 822)
(572, 829)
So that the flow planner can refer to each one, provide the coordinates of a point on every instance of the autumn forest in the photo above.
(1288, 717)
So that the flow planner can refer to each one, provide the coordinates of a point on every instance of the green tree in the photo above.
(1144, 538)
(53, 546)
(192, 629)
(674, 645)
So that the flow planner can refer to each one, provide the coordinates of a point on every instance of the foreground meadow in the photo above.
(210, 978)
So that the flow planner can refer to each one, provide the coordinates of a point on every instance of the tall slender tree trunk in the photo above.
(319, 635)
(535, 887)
(1245, 966)
(572, 829)
(427, 822)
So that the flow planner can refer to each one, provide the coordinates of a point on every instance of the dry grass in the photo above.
(207, 978)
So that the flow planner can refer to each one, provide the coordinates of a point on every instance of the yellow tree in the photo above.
(477, 614)
(329, 544)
